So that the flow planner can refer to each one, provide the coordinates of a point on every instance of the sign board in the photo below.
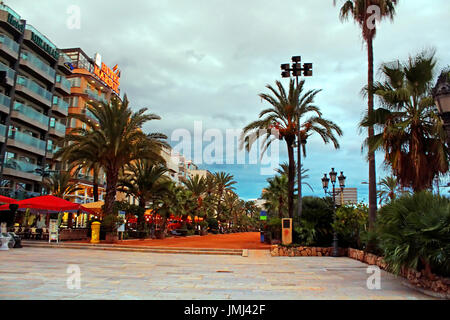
(263, 215)
(286, 226)
(122, 226)
(53, 230)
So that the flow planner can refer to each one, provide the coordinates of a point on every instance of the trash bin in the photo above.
(262, 236)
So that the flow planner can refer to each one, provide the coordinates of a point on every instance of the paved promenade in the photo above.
(41, 273)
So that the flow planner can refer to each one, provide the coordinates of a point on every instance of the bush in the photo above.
(351, 222)
(315, 226)
(414, 231)
(213, 223)
(274, 227)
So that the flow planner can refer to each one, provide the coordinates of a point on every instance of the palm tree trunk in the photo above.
(111, 189)
(291, 176)
(95, 184)
(372, 168)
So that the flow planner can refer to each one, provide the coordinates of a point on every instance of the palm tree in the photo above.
(60, 184)
(388, 189)
(287, 109)
(197, 186)
(118, 139)
(276, 194)
(223, 181)
(410, 130)
(362, 14)
(284, 170)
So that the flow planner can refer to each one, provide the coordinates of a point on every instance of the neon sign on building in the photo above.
(107, 75)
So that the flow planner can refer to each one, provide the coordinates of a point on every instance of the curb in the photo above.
(430, 293)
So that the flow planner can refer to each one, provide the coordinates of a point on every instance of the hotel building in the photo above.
(33, 105)
(91, 82)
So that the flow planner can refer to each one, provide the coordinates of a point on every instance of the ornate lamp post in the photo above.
(441, 95)
(334, 193)
(297, 71)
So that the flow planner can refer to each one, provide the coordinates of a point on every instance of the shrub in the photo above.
(414, 231)
(351, 222)
(315, 225)
(213, 223)
(274, 227)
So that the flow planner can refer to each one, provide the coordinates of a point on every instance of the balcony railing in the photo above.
(95, 96)
(58, 126)
(22, 166)
(64, 82)
(10, 43)
(2, 130)
(5, 100)
(33, 86)
(65, 57)
(31, 113)
(27, 56)
(9, 10)
(9, 72)
(27, 139)
(89, 114)
(57, 101)
(52, 149)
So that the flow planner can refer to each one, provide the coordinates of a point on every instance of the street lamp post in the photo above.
(334, 193)
(441, 95)
(297, 71)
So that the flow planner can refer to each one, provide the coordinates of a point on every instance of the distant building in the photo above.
(349, 196)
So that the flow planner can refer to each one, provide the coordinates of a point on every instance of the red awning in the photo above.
(4, 199)
(51, 203)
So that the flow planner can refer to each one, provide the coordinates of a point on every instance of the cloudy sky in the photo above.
(207, 60)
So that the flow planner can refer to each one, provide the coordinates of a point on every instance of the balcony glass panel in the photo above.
(22, 166)
(58, 126)
(5, 100)
(95, 96)
(9, 72)
(64, 82)
(33, 86)
(10, 43)
(57, 101)
(31, 113)
(27, 139)
(27, 56)
(2, 130)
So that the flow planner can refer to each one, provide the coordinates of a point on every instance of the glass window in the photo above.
(74, 102)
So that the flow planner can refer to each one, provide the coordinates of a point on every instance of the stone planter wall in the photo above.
(281, 251)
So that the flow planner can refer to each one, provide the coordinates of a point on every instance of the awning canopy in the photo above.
(4, 199)
(50, 203)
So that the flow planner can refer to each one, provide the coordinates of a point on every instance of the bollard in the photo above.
(95, 235)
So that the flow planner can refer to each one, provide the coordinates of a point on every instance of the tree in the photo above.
(276, 195)
(410, 131)
(284, 170)
(223, 181)
(118, 139)
(197, 186)
(280, 122)
(60, 184)
(364, 13)
(388, 189)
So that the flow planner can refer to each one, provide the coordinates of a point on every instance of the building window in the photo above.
(74, 102)
(75, 82)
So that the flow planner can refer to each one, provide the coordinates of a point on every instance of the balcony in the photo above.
(5, 103)
(9, 46)
(33, 90)
(2, 132)
(60, 106)
(95, 96)
(26, 142)
(51, 151)
(62, 84)
(89, 114)
(38, 67)
(22, 169)
(58, 129)
(30, 116)
(10, 73)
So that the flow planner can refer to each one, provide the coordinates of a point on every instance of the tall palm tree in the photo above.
(362, 14)
(410, 130)
(223, 181)
(197, 186)
(118, 139)
(282, 117)
(60, 184)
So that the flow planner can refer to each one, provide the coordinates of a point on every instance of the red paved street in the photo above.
(245, 240)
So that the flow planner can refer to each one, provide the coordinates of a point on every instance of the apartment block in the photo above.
(34, 104)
